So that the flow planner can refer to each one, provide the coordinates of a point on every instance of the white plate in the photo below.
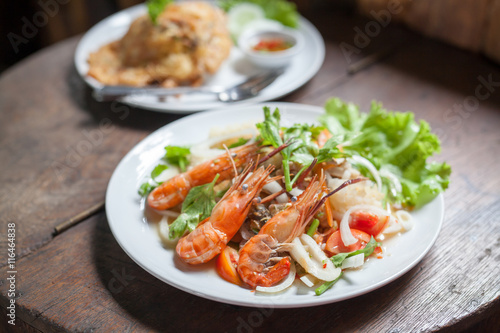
(233, 71)
(141, 242)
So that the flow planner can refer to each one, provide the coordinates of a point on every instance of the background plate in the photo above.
(233, 71)
(141, 242)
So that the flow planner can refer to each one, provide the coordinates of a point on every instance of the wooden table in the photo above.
(58, 148)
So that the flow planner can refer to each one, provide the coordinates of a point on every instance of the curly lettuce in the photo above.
(394, 143)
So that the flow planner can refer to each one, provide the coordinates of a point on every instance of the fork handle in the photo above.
(111, 93)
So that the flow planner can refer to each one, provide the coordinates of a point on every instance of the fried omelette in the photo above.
(188, 41)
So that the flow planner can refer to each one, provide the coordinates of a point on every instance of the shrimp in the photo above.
(211, 237)
(173, 191)
(254, 264)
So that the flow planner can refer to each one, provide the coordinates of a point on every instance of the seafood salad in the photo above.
(273, 205)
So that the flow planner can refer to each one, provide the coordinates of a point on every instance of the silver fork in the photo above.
(247, 89)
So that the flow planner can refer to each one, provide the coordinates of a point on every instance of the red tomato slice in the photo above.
(226, 265)
(334, 244)
(368, 222)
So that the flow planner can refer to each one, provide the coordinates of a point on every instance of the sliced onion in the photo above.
(163, 228)
(296, 192)
(354, 261)
(313, 259)
(274, 187)
(393, 179)
(309, 280)
(370, 167)
(163, 231)
(345, 231)
(282, 198)
(285, 283)
(393, 226)
(168, 173)
(314, 249)
(167, 213)
(405, 218)
(202, 152)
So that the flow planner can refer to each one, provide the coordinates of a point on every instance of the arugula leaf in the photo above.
(197, 206)
(301, 149)
(156, 7)
(240, 142)
(145, 188)
(270, 128)
(299, 137)
(301, 146)
(330, 150)
(393, 141)
(367, 251)
(282, 11)
(270, 132)
(158, 170)
(177, 156)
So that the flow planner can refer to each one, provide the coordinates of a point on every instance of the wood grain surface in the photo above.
(58, 146)
(81, 280)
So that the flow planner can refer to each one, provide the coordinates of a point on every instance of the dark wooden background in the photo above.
(75, 277)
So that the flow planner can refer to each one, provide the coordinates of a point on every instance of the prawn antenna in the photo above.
(231, 159)
(275, 151)
(306, 172)
(343, 185)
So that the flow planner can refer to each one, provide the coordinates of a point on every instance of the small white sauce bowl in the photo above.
(250, 38)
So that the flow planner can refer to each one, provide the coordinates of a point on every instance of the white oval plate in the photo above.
(141, 241)
(233, 71)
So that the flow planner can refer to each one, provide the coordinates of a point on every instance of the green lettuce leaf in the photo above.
(155, 7)
(392, 141)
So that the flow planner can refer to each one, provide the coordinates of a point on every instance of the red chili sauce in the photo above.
(272, 45)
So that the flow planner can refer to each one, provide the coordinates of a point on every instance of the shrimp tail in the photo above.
(276, 273)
